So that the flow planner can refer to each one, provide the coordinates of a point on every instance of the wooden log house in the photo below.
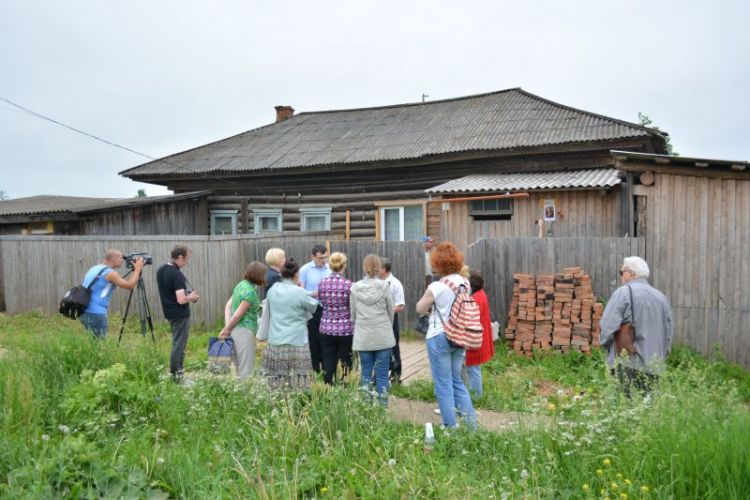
(370, 173)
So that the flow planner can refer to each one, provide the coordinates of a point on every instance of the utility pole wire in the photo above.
(46, 118)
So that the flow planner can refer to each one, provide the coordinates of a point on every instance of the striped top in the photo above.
(333, 296)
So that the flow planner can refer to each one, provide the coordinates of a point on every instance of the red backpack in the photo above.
(463, 327)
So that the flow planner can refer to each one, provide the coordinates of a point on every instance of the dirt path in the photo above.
(416, 366)
(420, 412)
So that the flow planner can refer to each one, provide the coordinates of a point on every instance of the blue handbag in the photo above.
(220, 354)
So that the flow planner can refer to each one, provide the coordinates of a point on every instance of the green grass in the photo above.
(84, 419)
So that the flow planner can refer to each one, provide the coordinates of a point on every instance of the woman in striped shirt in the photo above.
(336, 327)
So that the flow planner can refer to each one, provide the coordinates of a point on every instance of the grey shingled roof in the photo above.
(488, 122)
(50, 204)
(47, 204)
(478, 183)
(141, 201)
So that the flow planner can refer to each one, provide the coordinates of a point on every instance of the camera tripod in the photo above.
(144, 310)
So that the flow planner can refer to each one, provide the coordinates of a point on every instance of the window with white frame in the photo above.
(315, 219)
(402, 223)
(267, 221)
(223, 222)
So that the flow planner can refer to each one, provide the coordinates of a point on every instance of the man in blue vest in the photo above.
(105, 279)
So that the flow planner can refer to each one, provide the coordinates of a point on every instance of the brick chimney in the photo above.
(283, 113)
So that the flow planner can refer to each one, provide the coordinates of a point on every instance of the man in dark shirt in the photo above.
(176, 294)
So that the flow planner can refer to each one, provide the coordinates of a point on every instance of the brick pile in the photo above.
(554, 312)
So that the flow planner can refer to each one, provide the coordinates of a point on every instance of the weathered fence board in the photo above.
(500, 259)
(710, 307)
(38, 270)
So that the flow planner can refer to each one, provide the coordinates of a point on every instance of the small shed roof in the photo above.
(51, 204)
(680, 161)
(141, 201)
(600, 178)
(47, 204)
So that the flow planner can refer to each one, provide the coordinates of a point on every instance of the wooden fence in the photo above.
(35, 271)
(500, 259)
(701, 291)
(39, 269)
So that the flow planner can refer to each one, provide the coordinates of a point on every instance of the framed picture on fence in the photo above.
(549, 211)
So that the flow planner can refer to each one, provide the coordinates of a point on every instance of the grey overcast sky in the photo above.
(165, 76)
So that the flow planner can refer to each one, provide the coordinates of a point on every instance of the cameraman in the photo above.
(94, 318)
(176, 296)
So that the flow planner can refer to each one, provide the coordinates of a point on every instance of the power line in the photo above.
(46, 118)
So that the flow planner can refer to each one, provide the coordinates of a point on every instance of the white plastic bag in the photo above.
(264, 322)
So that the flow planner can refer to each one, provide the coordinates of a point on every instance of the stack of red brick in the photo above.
(554, 312)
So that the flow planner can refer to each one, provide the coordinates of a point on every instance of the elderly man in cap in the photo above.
(427, 241)
(649, 312)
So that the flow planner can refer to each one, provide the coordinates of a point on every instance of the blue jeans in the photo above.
(453, 397)
(95, 323)
(380, 362)
(475, 380)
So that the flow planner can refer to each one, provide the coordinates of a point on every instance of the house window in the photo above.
(38, 228)
(498, 209)
(267, 221)
(223, 222)
(402, 223)
(315, 219)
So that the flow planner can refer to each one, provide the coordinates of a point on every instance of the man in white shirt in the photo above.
(399, 304)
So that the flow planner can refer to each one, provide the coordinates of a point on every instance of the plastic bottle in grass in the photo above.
(429, 436)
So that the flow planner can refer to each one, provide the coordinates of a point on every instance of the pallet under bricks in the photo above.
(554, 312)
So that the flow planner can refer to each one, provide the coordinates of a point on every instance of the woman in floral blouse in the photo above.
(336, 327)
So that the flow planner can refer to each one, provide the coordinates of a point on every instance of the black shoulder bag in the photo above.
(77, 299)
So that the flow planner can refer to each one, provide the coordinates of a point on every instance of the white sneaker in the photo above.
(437, 411)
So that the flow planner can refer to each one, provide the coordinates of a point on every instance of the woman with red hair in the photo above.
(446, 359)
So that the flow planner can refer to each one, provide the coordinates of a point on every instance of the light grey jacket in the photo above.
(287, 305)
(371, 304)
(653, 325)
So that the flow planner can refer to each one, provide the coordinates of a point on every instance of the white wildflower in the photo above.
(64, 429)
(391, 462)
(45, 437)
(560, 393)
(160, 461)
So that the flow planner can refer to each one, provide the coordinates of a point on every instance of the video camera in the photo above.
(131, 257)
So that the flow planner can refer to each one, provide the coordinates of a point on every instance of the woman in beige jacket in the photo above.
(371, 306)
